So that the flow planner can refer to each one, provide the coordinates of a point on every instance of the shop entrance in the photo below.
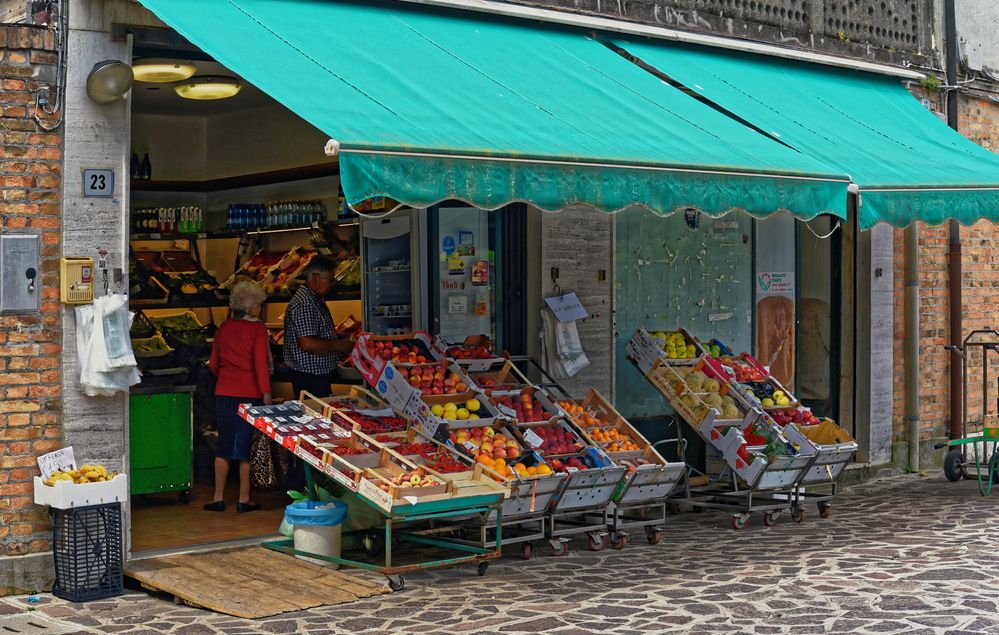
(222, 190)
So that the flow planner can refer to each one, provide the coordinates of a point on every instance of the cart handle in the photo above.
(954, 348)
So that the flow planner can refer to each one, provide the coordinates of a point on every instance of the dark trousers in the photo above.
(318, 385)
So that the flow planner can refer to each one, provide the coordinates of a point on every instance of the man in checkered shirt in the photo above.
(311, 346)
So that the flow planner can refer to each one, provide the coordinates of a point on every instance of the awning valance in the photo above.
(429, 105)
(908, 164)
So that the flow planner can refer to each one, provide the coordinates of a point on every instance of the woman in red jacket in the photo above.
(241, 361)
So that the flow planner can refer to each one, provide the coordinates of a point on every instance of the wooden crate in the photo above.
(508, 377)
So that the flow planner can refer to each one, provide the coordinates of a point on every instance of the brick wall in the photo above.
(30, 345)
(979, 121)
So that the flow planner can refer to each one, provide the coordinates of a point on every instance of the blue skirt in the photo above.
(235, 433)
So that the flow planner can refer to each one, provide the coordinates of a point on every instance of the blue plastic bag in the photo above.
(315, 513)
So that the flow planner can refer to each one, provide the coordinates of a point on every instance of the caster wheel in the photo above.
(482, 568)
(740, 521)
(528, 550)
(397, 584)
(619, 540)
(184, 498)
(370, 544)
(654, 537)
(559, 548)
(597, 543)
(825, 511)
(994, 467)
(770, 518)
(797, 514)
(674, 509)
(952, 465)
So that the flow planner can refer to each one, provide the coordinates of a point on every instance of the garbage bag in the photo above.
(315, 513)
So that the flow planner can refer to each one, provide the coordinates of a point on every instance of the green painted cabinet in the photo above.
(161, 442)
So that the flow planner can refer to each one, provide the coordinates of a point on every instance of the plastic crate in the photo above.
(87, 549)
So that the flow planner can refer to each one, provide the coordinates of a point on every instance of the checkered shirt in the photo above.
(307, 315)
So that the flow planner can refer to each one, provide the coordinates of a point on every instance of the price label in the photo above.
(532, 439)
(471, 447)
(508, 411)
(61, 460)
(572, 470)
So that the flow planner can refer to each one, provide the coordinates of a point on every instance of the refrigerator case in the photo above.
(391, 275)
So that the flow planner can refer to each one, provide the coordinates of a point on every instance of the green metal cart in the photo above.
(983, 467)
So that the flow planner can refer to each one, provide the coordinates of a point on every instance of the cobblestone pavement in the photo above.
(902, 555)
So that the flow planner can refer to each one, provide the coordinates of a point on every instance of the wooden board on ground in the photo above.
(249, 582)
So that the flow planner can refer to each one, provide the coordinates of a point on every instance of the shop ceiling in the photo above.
(160, 99)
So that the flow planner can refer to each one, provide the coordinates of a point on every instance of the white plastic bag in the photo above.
(563, 352)
(100, 328)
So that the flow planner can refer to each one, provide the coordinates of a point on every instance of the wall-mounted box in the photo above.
(76, 280)
(20, 274)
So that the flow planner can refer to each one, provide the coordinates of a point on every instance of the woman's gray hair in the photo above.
(244, 297)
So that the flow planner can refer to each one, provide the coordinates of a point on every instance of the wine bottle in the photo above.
(134, 166)
(146, 168)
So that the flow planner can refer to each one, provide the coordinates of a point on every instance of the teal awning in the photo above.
(429, 105)
(908, 163)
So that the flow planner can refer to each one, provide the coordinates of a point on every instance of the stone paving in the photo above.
(903, 555)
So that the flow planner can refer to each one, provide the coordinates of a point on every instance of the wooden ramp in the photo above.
(249, 582)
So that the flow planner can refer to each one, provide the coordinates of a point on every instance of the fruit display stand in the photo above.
(643, 494)
(411, 500)
(750, 479)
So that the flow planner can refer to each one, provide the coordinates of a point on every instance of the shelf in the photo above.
(244, 180)
(390, 271)
(337, 295)
(239, 233)
(197, 236)
(390, 317)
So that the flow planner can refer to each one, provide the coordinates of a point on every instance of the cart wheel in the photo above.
(370, 544)
(654, 536)
(770, 518)
(619, 540)
(598, 543)
(825, 510)
(739, 521)
(184, 497)
(559, 548)
(952, 465)
(797, 514)
(481, 570)
(674, 508)
(528, 550)
(397, 583)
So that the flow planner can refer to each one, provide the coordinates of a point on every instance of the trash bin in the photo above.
(317, 528)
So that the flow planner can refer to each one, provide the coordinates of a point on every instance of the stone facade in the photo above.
(30, 371)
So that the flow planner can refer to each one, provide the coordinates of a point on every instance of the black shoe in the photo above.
(246, 507)
(217, 506)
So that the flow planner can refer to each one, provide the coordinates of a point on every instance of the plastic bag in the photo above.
(94, 323)
(315, 513)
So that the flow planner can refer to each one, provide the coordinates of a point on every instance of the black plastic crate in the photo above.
(87, 547)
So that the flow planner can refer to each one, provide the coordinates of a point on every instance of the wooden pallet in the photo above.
(249, 582)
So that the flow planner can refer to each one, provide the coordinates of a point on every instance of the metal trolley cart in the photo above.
(579, 506)
(745, 478)
(983, 464)
(409, 515)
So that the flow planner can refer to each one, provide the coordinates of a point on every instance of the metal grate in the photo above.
(885, 23)
(785, 14)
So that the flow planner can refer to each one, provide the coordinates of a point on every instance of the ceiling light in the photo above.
(109, 81)
(208, 87)
(159, 70)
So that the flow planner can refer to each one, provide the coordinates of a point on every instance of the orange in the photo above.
(500, 464)
(485, 459)
(531, 471)
(544, 470)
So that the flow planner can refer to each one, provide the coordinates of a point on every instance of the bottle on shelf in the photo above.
(134, 165)
(145, 168)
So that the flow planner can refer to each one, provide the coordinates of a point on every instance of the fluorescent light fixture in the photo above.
(162, 70)
(208, 87)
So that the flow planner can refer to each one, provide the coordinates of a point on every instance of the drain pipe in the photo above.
(911, 309)
(955, 283)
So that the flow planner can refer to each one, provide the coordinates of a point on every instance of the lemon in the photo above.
(437, 409)
(473, 417)
(473, 405)
(768, 402)
(462, 414)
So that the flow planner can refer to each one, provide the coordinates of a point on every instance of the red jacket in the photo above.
(240, 359)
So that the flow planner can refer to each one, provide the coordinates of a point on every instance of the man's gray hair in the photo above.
(245, 296)
(320, 264)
